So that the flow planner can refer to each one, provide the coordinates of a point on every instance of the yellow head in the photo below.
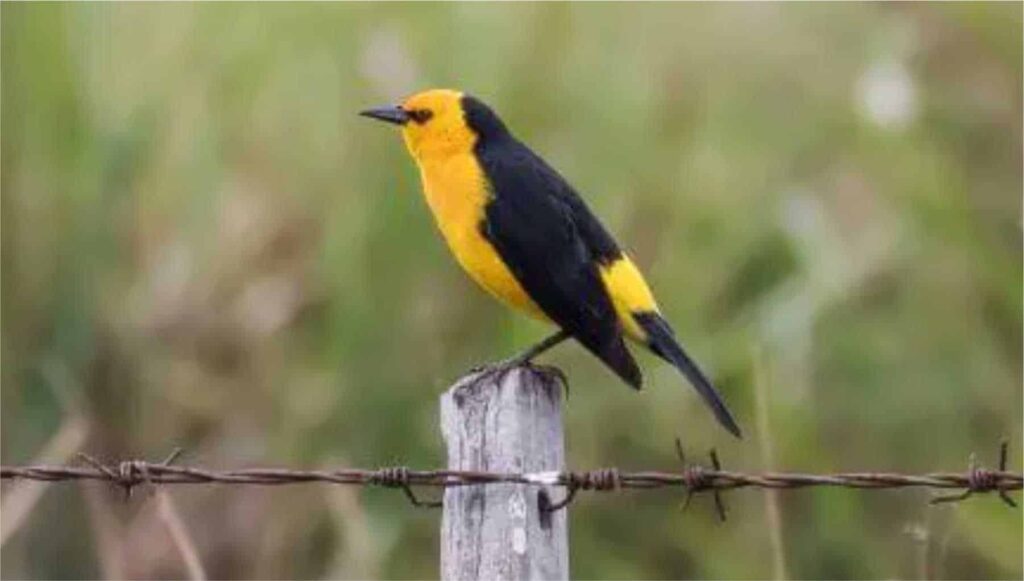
(441, 122)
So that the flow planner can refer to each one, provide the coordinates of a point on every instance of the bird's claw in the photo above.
(552, 371)
(497, 371)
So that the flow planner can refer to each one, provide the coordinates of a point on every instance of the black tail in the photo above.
(662, 341)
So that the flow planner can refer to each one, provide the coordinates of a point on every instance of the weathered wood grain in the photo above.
(503, 424)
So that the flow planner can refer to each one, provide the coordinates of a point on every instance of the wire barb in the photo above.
(696, 479)
(129, 473)
(398, 477)
(601, 480)
(980, 479)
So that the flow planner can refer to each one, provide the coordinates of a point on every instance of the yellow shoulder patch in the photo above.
(629, 293)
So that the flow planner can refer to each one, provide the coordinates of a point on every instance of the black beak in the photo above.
(393, 114)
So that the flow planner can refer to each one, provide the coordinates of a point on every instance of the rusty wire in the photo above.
(691, 478)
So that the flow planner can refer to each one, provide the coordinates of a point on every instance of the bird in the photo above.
(521, 232)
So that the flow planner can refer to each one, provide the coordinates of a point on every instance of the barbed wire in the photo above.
(692, 478)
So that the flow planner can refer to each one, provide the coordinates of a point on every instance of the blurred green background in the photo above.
(203, 246)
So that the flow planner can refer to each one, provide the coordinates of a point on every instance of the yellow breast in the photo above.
(457, 191)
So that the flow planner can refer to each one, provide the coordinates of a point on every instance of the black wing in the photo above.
(535, 223)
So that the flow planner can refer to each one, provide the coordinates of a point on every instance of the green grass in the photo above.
(203, 246)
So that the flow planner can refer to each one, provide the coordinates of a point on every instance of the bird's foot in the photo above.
(552, 372)
(498, 370)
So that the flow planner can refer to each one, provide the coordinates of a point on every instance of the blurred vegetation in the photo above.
(204, 246)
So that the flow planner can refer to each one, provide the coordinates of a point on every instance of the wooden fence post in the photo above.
(503, 424)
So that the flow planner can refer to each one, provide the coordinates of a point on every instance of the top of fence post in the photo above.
(503, 423)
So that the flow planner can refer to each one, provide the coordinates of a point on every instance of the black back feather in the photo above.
(549, 239)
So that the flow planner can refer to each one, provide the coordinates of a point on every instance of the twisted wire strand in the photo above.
(135, 472)
(693, 478)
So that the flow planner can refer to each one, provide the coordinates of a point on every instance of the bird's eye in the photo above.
(421, 116)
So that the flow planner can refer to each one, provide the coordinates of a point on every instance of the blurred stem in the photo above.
(179, 535)
(773, 515)
(924, 542)
(107, 532)
(22, 498)
(939, 567)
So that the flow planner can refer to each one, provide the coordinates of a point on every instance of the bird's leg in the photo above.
(526, 359)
